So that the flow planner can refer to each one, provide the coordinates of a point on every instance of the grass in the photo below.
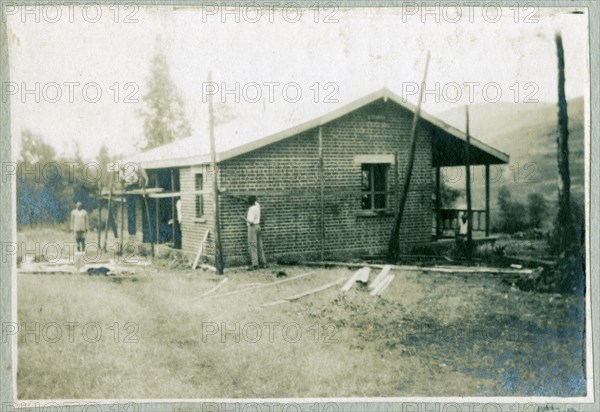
(429, 334)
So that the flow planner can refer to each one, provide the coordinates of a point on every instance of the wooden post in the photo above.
(215, 189)
(100, 217)
(145, 196)
(108, 212)
(322, 184)
(438, 202)
(397, 189)
(173, 214)
(121, 227)
(487, 200)
(394, 244)
(468, 191)
(156, 212)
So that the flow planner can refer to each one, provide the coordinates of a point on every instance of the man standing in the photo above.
(79, 225)
(255, 246)
(461, 234)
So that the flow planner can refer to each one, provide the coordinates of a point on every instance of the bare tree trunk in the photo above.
(565, 227)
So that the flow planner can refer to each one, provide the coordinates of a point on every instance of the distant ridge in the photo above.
(527, 133)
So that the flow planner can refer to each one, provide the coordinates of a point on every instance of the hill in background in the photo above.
(527, 133)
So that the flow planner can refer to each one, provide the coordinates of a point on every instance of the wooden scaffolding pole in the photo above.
(322, 184)
(173, 214)
(121, 227)
(397, 183)
(438, 202)
(145, 196)
(99, 214)
(468, 188)
(156, 213)
(215, 188)
(487, 200)
(108, 212)
(394, 244)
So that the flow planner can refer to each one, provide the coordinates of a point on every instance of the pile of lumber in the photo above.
(377, 286)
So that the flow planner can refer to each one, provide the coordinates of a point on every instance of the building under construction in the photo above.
(328, 187)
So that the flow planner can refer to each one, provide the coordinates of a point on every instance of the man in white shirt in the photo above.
(178, 209)
(463, 223)
(255, 246)
(79, 225)
(461, 233)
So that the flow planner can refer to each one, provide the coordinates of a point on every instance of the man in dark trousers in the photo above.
(79, 225)
(255, 246)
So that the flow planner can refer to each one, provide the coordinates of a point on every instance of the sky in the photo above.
(302, 63)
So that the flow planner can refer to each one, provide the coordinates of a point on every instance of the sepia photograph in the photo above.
(301, 206)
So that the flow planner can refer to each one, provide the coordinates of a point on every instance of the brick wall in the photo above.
(285, 177)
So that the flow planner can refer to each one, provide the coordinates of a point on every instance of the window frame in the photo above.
(372, 192)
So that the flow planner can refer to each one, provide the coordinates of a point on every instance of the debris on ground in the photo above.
(262, 285)
(221, 283)
(303, 294)
(384, 272)
(379, 288)
(361, 275)
(101, 271)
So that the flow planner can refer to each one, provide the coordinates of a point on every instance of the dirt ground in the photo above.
(429, 334)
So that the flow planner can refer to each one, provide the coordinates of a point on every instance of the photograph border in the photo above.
(591, 402)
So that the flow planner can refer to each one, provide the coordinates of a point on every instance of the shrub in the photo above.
(537, 209)
(513, 214)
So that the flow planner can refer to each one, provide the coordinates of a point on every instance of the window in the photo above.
(199, 184)
(374, 186)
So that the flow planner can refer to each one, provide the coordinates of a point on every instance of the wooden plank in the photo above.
(260, 286)
(221, 283)
(384, 272)
(414, 268)
(147, 191)
(46, 271)
(275, 302)
(384, 284)
(200, 250)
(524, 259)
(178, 194)
(363, 276)
(303, 294)
(348, 285)
(316, 290)
(475, 269)
(376, 289)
